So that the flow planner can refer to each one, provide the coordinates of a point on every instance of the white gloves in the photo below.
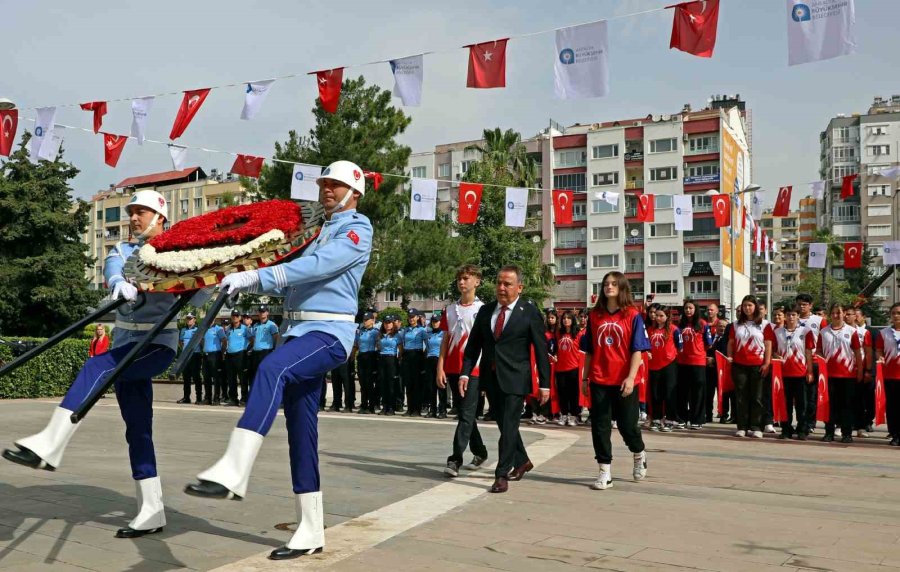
(247, 281)
(124, 289)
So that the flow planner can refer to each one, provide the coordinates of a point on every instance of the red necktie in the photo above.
(501, 319)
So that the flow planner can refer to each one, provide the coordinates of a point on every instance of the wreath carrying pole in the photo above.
(208, 319)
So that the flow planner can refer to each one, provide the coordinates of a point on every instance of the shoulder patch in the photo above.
(353, 236)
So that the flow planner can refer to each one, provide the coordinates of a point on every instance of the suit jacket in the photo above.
(506, 362)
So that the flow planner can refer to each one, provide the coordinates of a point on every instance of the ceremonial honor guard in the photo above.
(367, 359)
(147, 213)
(213, 343)
(320, 289)
(192, 370)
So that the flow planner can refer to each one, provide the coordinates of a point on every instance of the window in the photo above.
(845, 213)
(664, 287)
(702, 169)
(570, 238)
(879, 190)
(602, 179)
(444, 170)
(879, 230)
(663, 145)
(879, 210)
(707, 144)
(198, 204)
(418, 298)
(112, 214)
(704, 229)
(605, 261)
(704, 255)
(603, 207)
(464, 166)
(418, 172)
(568, 265)
(844, 153)
(99, 214)
(843, 170)
(704, 287)
(183, 203)
(663, 202)
(664, 174)
(605, 233)
(661, 230)
(878, 150)
(701, 203)
(605, 151)
(571, 158)
(579, 211)
(391, 297)
(878, 130)
(663, 258)
(576, 182)
(843, 134)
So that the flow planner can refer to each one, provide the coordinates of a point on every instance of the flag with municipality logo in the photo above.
(423, 199)
(408, 75)
(581, 67)
(43, 127)
(516, 204)
(303, 182)
(817, 255)
(684, 212)
(255, 94)
(892, 252)
(820, 30)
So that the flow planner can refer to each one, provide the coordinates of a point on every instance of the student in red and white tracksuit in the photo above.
(795, 345)
(665, 343)
(568, 358)
(750, 353)
(696, 337)
(865, 393)
(813, 323)
(614, 341)
(887, 349)
(839, 345)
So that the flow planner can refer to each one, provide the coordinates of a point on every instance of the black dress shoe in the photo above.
(500, 485)
(28, 458)
(210, 490)
(129, 532)
(206, 402)
(182, 401)
(285, 553)
(828, 438)
(846, 439)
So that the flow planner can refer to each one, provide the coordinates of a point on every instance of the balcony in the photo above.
(634, 268)
(688, 237)
(635, 184)
(571, 243)
(634, 240)
(631, 212)
(702, 150)
(532, 225)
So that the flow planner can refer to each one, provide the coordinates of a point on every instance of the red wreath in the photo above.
(230, 226)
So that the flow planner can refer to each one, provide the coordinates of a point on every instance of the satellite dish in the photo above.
(634, 232)
(577, 264)
(535, 239)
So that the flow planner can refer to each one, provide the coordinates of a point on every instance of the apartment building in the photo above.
(782, 272)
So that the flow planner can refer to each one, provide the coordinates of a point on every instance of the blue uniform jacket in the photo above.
(213, 338)
(433, 343)
(238, 338)
(264, 335)
(389, 345)
(185, 338)
(366, 340)
(413, 339)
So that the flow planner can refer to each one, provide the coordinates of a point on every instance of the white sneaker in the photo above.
(561, 421)
(838, 432)
(769, 428)
(640, 466)
(643, 416)
(604, 480)
(571, 421)
(861, 433)
(740, 433)
(615, 425)
(757, 434)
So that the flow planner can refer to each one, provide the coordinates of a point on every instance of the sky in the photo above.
(60, 52)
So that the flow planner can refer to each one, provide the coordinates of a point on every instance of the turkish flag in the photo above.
(469, 201)
(99, 109)
(112, 148)
(190, 105)
(722, 210)
(779, 406)
(330, 87)
(847, 186)
(248, 166)
(562, 206)
(646, 208)
(694, 27)
(782, 202)
(10, 122)
(880, 397)
(487, 64)
(853, 255)
(725, 385)
(823, 401)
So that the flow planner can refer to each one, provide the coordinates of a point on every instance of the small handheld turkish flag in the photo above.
(694, 27)
(562, 206)
(725, 385)
(190, 105)
(646, 208)
(779, 406)
(823, 400)
(782, 202)
(853, 255)
(99, 109)
(248, 166)
(330, 87)
(722, 210)
(847, 186)
(880, 396)
(469, 202)
(487, 64)
(9, 122)
(112, 148)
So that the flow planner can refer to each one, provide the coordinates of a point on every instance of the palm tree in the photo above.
(503, 152)
(833, 251)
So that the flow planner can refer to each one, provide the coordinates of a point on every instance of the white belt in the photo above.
(143, 327)
(307, 316)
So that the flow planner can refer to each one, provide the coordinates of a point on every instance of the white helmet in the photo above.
(346, 172)
(150, 199)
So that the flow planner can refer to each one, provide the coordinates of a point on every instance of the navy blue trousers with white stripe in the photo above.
(134, 392)
(293, 373)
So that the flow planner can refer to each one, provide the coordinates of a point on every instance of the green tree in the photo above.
(833, 251)
(857, 279)
(504, 163)
(42, 257)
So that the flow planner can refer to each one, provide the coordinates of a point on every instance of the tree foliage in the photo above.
(42, 257)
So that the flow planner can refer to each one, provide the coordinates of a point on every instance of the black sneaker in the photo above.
(184, 400)
(452, 469)
(476, 462)
(846, 439)
(895, 442)
(828, 438)
(802, 436)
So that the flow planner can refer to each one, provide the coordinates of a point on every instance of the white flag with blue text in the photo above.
(820, 30)
(423, 199)
(255, 94)
(516, 205)
(684, 212)
(581, 65)
(408, 75)
(891, 252)
(140, 111)
(303, 182)
(817, 255)
(43, 128)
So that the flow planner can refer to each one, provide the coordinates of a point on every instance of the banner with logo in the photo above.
(581, 69)
(423, 199)
(303, 182)
(516, 205)
(820, 30)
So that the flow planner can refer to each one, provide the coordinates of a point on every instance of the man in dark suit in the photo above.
(504, 333)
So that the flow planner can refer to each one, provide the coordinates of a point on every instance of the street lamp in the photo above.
(6, 103)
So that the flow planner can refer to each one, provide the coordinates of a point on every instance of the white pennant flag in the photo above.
(256, 92)
(818, 190)
(684, 212)
(768, 245)
(43, 128)
(756, 206)
(516, 204)
(408, 75)
(179, 156)
(608, 197)
(140, 111)
(774, 244)
(892, 252)
(423, 199)
(820, 30)
(581, 66)
(759, 239)
(303, 182)
(50, 148)
(817, 254)
(889, 172)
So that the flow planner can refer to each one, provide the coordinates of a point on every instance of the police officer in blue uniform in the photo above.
(237, 340)
(320, 289)
(367, 365)
(265, 335)
(147, 213)
(413, 340)
(390, 349)
(192, 368)
(213, 346)
(436, 397)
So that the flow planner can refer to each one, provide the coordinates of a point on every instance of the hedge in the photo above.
(49, 374)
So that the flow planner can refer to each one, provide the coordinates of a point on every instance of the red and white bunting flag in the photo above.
(646, 208)
(112, 148)
(562, 206)
(190, 105)
(847, 186)
(248, 166)
(694, 27)
(469, 202)
(722, 210)
(99, 109)
(329, 82)
(9, 123)
(782, 202)
(767, 246)
(487, 64)
(853, 255)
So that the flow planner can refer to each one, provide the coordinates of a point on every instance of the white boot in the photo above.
(151, 512)
(310, 533)
(50, 444)
(232, 471)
